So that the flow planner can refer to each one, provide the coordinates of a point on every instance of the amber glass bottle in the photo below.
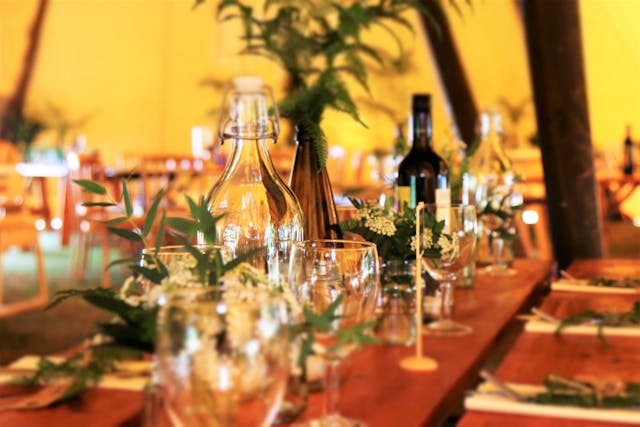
(313, 190)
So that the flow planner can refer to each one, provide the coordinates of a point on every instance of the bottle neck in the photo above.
(250, 157)
(422, 130)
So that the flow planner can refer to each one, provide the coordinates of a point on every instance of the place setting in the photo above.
(580, 397)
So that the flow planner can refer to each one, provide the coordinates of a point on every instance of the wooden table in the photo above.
(536, 355)
(377, 390)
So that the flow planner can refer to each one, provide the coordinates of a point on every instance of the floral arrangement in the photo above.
(394, 232)
(131, 332)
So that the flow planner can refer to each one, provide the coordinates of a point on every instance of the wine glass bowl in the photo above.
(338, 275)
(455, 244)
(221, 363)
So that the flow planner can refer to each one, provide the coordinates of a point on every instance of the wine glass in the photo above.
(342, 272)
(222, 362)
(496, 212)
(446, 252)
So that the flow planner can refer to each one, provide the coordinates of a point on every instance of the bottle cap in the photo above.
(247, 83)
(421, 101)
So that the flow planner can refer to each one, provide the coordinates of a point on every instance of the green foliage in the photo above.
(504, 211)
(83, 372)
(21, 129)
(325, 323)
(394, 245)
(602, 319)
(625, 282)
(320, 44)
(560, 390)
(133, 327)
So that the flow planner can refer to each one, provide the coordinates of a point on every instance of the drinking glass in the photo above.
(496, 212)
(456, 244)
(322, 272)
(221, 362)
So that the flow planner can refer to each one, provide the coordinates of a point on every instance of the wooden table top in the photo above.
(535, 355)
(376, 390)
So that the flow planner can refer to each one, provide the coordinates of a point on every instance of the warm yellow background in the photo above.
(130, 70)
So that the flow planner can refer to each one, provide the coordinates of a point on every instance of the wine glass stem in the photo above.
(331, 386)
(446, 304)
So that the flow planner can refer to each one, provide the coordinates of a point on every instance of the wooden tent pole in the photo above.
(554, 47)
(451, 72)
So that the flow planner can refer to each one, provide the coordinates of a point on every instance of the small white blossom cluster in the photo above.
(449, 245)
(374, 218)
(427, 240)
(141, 293)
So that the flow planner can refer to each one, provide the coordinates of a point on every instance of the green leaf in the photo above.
(115, 221)
(71, 293)
(121, 261)
(161, 230)
(128, 207)
(151, 215)
(183, 225)
(126, 234)
(152, 274)
(91, 186)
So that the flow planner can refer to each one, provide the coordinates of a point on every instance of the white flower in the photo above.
(382, 225)
(449, 245)
(427, 240)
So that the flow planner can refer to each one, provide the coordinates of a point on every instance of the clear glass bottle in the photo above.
(490, 184)
(260, 210)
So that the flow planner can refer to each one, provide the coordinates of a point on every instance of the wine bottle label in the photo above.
(443, 197)
(443, 205)
(403, 195)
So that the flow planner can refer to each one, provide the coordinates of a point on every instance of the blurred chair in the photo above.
(18, 229)
(177, 174)
(85, 223)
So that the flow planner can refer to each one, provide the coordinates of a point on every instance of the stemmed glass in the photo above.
(456, 244)
(221, 363)
(321, 273)
(495, 211)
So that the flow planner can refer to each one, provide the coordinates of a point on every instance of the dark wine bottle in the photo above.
(423, 176)
(628, 166)
(313, 190)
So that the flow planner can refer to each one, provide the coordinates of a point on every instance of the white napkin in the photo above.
(577, 285)
(543, 326)
(135, 382)
(487, 399)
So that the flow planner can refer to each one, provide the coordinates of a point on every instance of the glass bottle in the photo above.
(423, 176)
(491, 182)
(260, 210)
(313, 189)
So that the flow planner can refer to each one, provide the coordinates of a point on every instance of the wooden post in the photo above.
(556, 64)
(15, 105)
(451, 71)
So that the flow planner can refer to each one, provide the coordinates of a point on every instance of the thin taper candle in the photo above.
(418, 276)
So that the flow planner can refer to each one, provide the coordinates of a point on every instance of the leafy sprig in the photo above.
(320, 44)
(560, 390)
(602, 319)
(324, 322)
(625, 282)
